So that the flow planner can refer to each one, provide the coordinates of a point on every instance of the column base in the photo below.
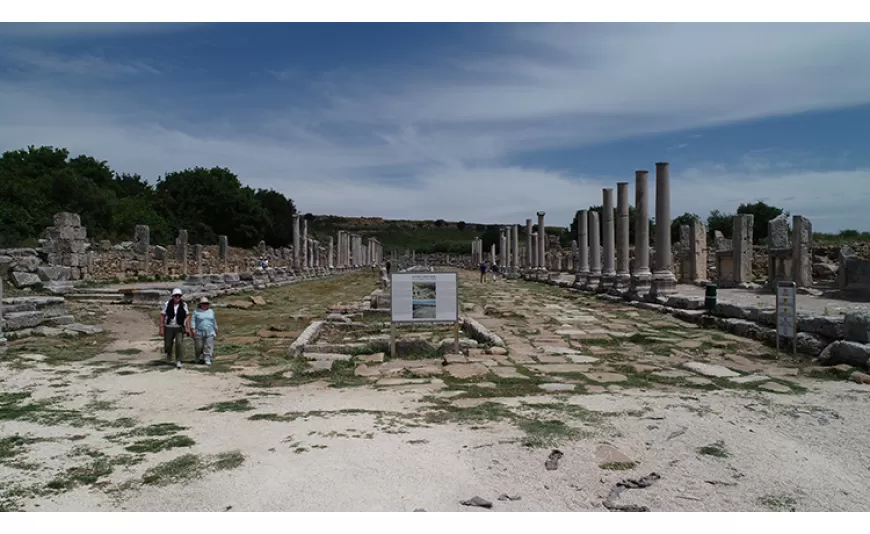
(622, 281)
(593, 280)
(580, 280)
(641, 282)
(663, 283)
(606, 282)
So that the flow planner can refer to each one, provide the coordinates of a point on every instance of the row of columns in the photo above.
(615, 271)
(346, 250)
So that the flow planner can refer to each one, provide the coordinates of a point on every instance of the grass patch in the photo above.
(778, 502)
(618, 466)
(18, 407)
(190, 466)
(128, 352)
(153, 445)
(716, 449)
(12, 446)
(240, 405)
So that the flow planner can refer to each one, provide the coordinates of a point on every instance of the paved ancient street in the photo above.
(621, 393)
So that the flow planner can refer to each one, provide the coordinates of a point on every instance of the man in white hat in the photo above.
(205, 329)
(174, 323)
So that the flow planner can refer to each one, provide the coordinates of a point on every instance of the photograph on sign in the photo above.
(420, 298)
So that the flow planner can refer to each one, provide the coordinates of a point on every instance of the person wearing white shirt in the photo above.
(174, 323)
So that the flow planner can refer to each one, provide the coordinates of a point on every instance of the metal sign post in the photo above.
(786, 314)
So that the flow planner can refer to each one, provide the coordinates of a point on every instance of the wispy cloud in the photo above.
(78, 30)
(436, 141)
(82, 65)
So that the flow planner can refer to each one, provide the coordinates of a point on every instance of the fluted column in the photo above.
(608, 271)
(582, 268)
(663, 282)
(623, 274)
(641, 275)
(594, 277)
(529, 248)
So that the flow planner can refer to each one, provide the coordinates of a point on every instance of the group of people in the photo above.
(176, 321)
(483, 267)
(263, 263)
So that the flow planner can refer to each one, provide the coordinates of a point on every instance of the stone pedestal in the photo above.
(741, 240)
(697, 251)
(663, 281)
(802, 253)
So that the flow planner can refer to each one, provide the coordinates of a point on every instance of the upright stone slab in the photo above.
(142, 245)
(582, 270)
(197, 255)
(697, 251)
(515, 248)
(593, 279)
(742, 245)
(305, 261)
(331, 258)
(223, 252)
(802, 253)
(779, 251)
(181, 250)
(529, 248)
(641, 276)
(297, 243)
(608, 269)
(663, 280)
(622, 279)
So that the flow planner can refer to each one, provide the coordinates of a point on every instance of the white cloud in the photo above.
(435, 144)
(82, 65)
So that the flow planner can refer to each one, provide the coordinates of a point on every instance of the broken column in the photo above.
(331, 262)
(622, 279)
(663, 280)
(197, 255)
(297, 243)
(66, 247)
(594, 277)
(741, 242)
(779, 250)
(582, 269)
(142, 246)
(542, 242)
(697, 251)
(802, 253)
(181, 250)
(608, 272)
(223, 251)
(529, 248)
(641, 276)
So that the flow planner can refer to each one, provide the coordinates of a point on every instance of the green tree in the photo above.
(722, 222)
(762, 214)
(280, 211)
(684, 219)
(460, 225)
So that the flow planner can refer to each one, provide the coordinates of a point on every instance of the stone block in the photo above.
(21, 280)
(848, 352)
(856, 327)
(25, 264)
(53, 273)
(64, 218)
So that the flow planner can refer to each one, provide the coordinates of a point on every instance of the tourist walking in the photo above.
(205, 329)
(174, 323)
(494, 271)
(482, 268)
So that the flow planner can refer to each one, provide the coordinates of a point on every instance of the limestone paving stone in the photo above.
(466, 370)
(454, 358)
(672, 373)
(558, 350)
(706, 369)
(556, 387)
(605, 378)
(749, 379)
(432, 370)
(497, 350)
(507, 372)
(366, 371)
(371, 358)
(579, 358)
(560, 368)
(775, 387)
(544, 358)
(699, 380)
(400, 381)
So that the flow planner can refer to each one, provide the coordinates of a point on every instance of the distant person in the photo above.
(389, 266)
(205, 330)
(174, 323)
(482, 268)
(494, 271)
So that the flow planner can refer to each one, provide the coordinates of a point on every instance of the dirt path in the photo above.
(112, 432)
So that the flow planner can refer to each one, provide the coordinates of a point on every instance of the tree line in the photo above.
(36, 183)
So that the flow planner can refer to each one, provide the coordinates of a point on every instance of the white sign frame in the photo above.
(425, 278)
(786, 314)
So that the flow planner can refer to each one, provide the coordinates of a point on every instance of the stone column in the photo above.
(572, 265)
(506, 264)
(663, 281)
(2, 337)
(623, 273)
(296, 243)
(223, 251)
(594, 277)
(305, 261)
(142, 239)
(502, 248)
(582, 269)
(608, 271)
(534, 247)
(197, 255)
(542, 242)
(742, 247)
(641, 276)
(802, 251)
(529, 248)
(331, 258)
(516, 248)
(492, 253)
(697, 251)
(181, 250)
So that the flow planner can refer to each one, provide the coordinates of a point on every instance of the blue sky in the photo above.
(475, 122)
